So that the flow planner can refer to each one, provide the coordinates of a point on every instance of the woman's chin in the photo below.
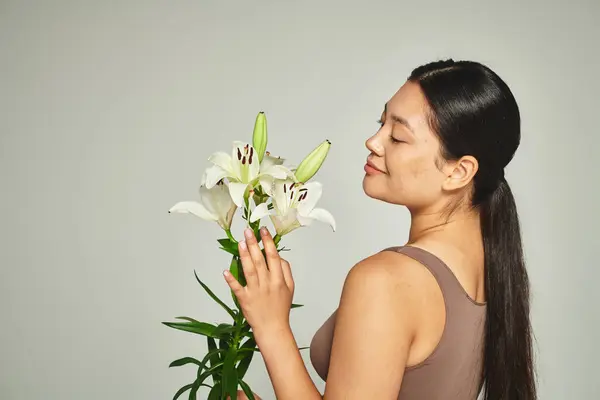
(368, 187)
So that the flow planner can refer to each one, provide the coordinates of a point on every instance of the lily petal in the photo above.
(222, 160)
(225, 221)
(323, 215)
(260, 211)
(284, 224)
(281, 195)
(304, 220)
(216, 200)
(253, 165)
(267, 183)
(214, 174)
(276, 171)
(193, 207)
(244, 162)
(236, 158)
(269, 161)
(237, 191)
(313, 193)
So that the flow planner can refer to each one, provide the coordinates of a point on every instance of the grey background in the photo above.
(108, 111)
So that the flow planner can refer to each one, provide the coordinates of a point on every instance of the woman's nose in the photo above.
(374, 146)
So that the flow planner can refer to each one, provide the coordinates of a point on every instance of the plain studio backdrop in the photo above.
(110, 109)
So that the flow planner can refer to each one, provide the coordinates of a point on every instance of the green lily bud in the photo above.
(312, 162)
(259, 137)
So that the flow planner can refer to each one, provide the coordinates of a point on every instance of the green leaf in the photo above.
(223, 344)
(248, 344)
(182, 391)
(229, 375)
(234, 268)
(225, 242)
(205, 364)
(200, 328)
(247, 391)
(234, 252)
(212, 344)
(245, 326)
(229, 246)
(241, 277)
(184, 361)
(297, 305)
(304, 348)
(194, 390)
(214, 297)
(188, 319)
(215, 392)
(203, 375)
(223, 330)
(213, 357)
(240, 351)
(211, 361)
(242, 367)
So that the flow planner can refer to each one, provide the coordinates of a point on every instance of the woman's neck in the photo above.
(462, 224)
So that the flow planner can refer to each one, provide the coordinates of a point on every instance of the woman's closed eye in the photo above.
(394, 140)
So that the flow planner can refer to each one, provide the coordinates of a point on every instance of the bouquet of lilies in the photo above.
(261, 186)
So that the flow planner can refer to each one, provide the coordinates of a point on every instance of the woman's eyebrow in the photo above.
(399, 119)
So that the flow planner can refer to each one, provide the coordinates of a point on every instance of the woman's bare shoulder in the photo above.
(402, 280)
(396, 266)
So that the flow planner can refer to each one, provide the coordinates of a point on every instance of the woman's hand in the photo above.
(267, 297)
(242, 396)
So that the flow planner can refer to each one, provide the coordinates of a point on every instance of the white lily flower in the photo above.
(294, 206)
(215, 205)
(243, 170)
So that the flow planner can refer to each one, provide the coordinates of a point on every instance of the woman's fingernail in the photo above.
(248, 233)
(243, 245)
(263, 230)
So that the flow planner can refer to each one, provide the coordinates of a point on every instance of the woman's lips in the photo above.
(371, 169)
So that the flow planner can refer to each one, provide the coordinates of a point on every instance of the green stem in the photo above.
(276, 239)
(230, 236)
(247, 210)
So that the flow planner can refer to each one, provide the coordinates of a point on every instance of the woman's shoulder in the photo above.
(390, 261)
(393, 270)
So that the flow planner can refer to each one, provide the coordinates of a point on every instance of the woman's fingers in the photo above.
(273, 259)
(257, 257)
(241, 396)
(258, 270)
(248, 265)
(286, 271)
(233, 283)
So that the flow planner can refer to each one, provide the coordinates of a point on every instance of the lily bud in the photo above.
(259, 137)
(312, 162)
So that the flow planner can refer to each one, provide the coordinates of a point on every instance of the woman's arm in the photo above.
(285, 365)
(374, 328)
(375, 325)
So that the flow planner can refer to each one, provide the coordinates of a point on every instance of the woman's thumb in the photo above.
(240, 395)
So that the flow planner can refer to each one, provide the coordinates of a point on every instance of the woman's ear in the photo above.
(460, 173)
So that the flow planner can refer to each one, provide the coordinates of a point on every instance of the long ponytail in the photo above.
(508, 369)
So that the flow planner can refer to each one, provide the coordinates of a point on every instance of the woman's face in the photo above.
(406, 154)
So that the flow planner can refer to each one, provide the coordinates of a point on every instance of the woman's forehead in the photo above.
(408, 107)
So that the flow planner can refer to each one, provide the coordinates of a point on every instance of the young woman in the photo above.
(446, 315)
